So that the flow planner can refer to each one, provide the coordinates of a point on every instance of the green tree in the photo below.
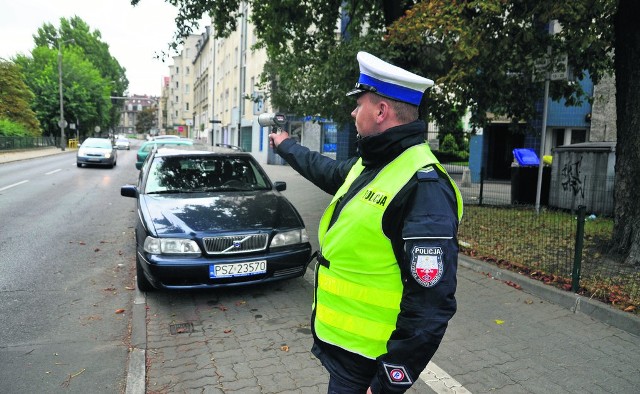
(16, 99)
(492, 46)
(146, 120)
(94, 50)
(86, 100)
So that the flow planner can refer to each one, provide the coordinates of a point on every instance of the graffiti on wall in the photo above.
(571, 178)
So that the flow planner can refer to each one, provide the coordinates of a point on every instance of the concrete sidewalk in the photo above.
(24, 154)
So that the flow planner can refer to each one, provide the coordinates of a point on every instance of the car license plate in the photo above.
(237, 269)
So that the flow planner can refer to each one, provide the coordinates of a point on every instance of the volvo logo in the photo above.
(237, 244)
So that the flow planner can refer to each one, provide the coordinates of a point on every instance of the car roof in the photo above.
(169, 141)
(197, 150)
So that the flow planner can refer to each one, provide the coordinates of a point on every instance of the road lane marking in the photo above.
(10, 186)
(52, 172)
(440, 381)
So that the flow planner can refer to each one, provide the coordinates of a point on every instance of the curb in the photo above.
(136, 369)
(574, 302)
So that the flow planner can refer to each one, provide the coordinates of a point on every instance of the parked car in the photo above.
(212, 218)
(147, 146)
(123, 143)
(97, 151)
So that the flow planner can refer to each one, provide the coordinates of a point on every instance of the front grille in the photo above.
(236, 244)
(288, 271)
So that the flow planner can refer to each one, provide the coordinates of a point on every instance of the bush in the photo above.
(9, 128)
(449, 144)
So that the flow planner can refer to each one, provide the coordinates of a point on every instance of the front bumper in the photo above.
(169, 272)
(92, 160)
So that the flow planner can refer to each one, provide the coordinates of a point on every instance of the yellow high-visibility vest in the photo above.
(357, 299)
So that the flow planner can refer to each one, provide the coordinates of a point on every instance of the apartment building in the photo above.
(214, 93)
(132, 106)
(180, 99)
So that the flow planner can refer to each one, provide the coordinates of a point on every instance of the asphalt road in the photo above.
(66, 281)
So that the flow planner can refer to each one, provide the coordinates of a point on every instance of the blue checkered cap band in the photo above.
(380, 77)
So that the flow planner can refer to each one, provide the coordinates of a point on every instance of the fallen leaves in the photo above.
(119, 311)
(499, 322)
(513, 284)
(284, 348)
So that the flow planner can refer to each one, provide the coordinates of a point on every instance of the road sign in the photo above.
(559, 70)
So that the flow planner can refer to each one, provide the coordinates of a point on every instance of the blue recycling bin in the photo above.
(524, 178)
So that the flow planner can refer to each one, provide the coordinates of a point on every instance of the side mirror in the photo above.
(129, 191)
(138, 165)
(280, 186)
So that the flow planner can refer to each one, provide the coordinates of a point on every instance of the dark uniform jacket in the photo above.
(421, 213)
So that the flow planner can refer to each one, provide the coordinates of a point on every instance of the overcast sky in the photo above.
(134, 34)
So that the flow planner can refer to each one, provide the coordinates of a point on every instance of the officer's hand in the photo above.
(276, 138)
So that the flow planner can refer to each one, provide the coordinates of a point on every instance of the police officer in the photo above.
(385, 280)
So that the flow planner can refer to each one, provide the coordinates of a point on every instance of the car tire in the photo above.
(79, 165)
(141, 280)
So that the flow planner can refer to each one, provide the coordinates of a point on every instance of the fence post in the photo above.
(577, 258)
(481, 185)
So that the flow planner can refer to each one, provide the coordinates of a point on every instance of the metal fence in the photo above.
(563, 243)
(15, 143)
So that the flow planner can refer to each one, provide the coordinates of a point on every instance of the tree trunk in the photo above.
(626, 231)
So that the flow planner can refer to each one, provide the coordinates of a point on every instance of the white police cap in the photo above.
(387, 80)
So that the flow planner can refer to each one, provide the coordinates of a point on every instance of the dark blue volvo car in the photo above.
(211, 217)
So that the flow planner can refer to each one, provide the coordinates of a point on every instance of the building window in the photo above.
(558, 137)
(186, 106)
(578, 136)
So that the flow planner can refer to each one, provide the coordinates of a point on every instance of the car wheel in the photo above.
(141, 280)
(79, 165)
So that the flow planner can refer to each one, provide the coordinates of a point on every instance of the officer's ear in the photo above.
(384, 110)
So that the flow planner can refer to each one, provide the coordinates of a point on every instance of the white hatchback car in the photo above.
(97, 151)
(123, 143)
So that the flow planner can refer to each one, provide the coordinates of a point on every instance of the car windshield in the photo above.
(97, 144)
(191, 174)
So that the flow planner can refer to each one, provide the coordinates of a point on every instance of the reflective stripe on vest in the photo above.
(358, 296)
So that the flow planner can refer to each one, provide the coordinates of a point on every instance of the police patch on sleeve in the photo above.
(397, 374)
(426, 265)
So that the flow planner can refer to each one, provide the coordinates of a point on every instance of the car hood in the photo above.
(205, 214)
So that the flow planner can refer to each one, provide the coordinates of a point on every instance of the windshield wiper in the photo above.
(165, 192)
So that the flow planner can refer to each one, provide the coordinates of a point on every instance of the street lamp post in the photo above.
(62, 122)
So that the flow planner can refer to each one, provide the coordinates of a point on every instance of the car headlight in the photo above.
(107, 155)
(290, 238)
(171, 246)
(81, 152)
